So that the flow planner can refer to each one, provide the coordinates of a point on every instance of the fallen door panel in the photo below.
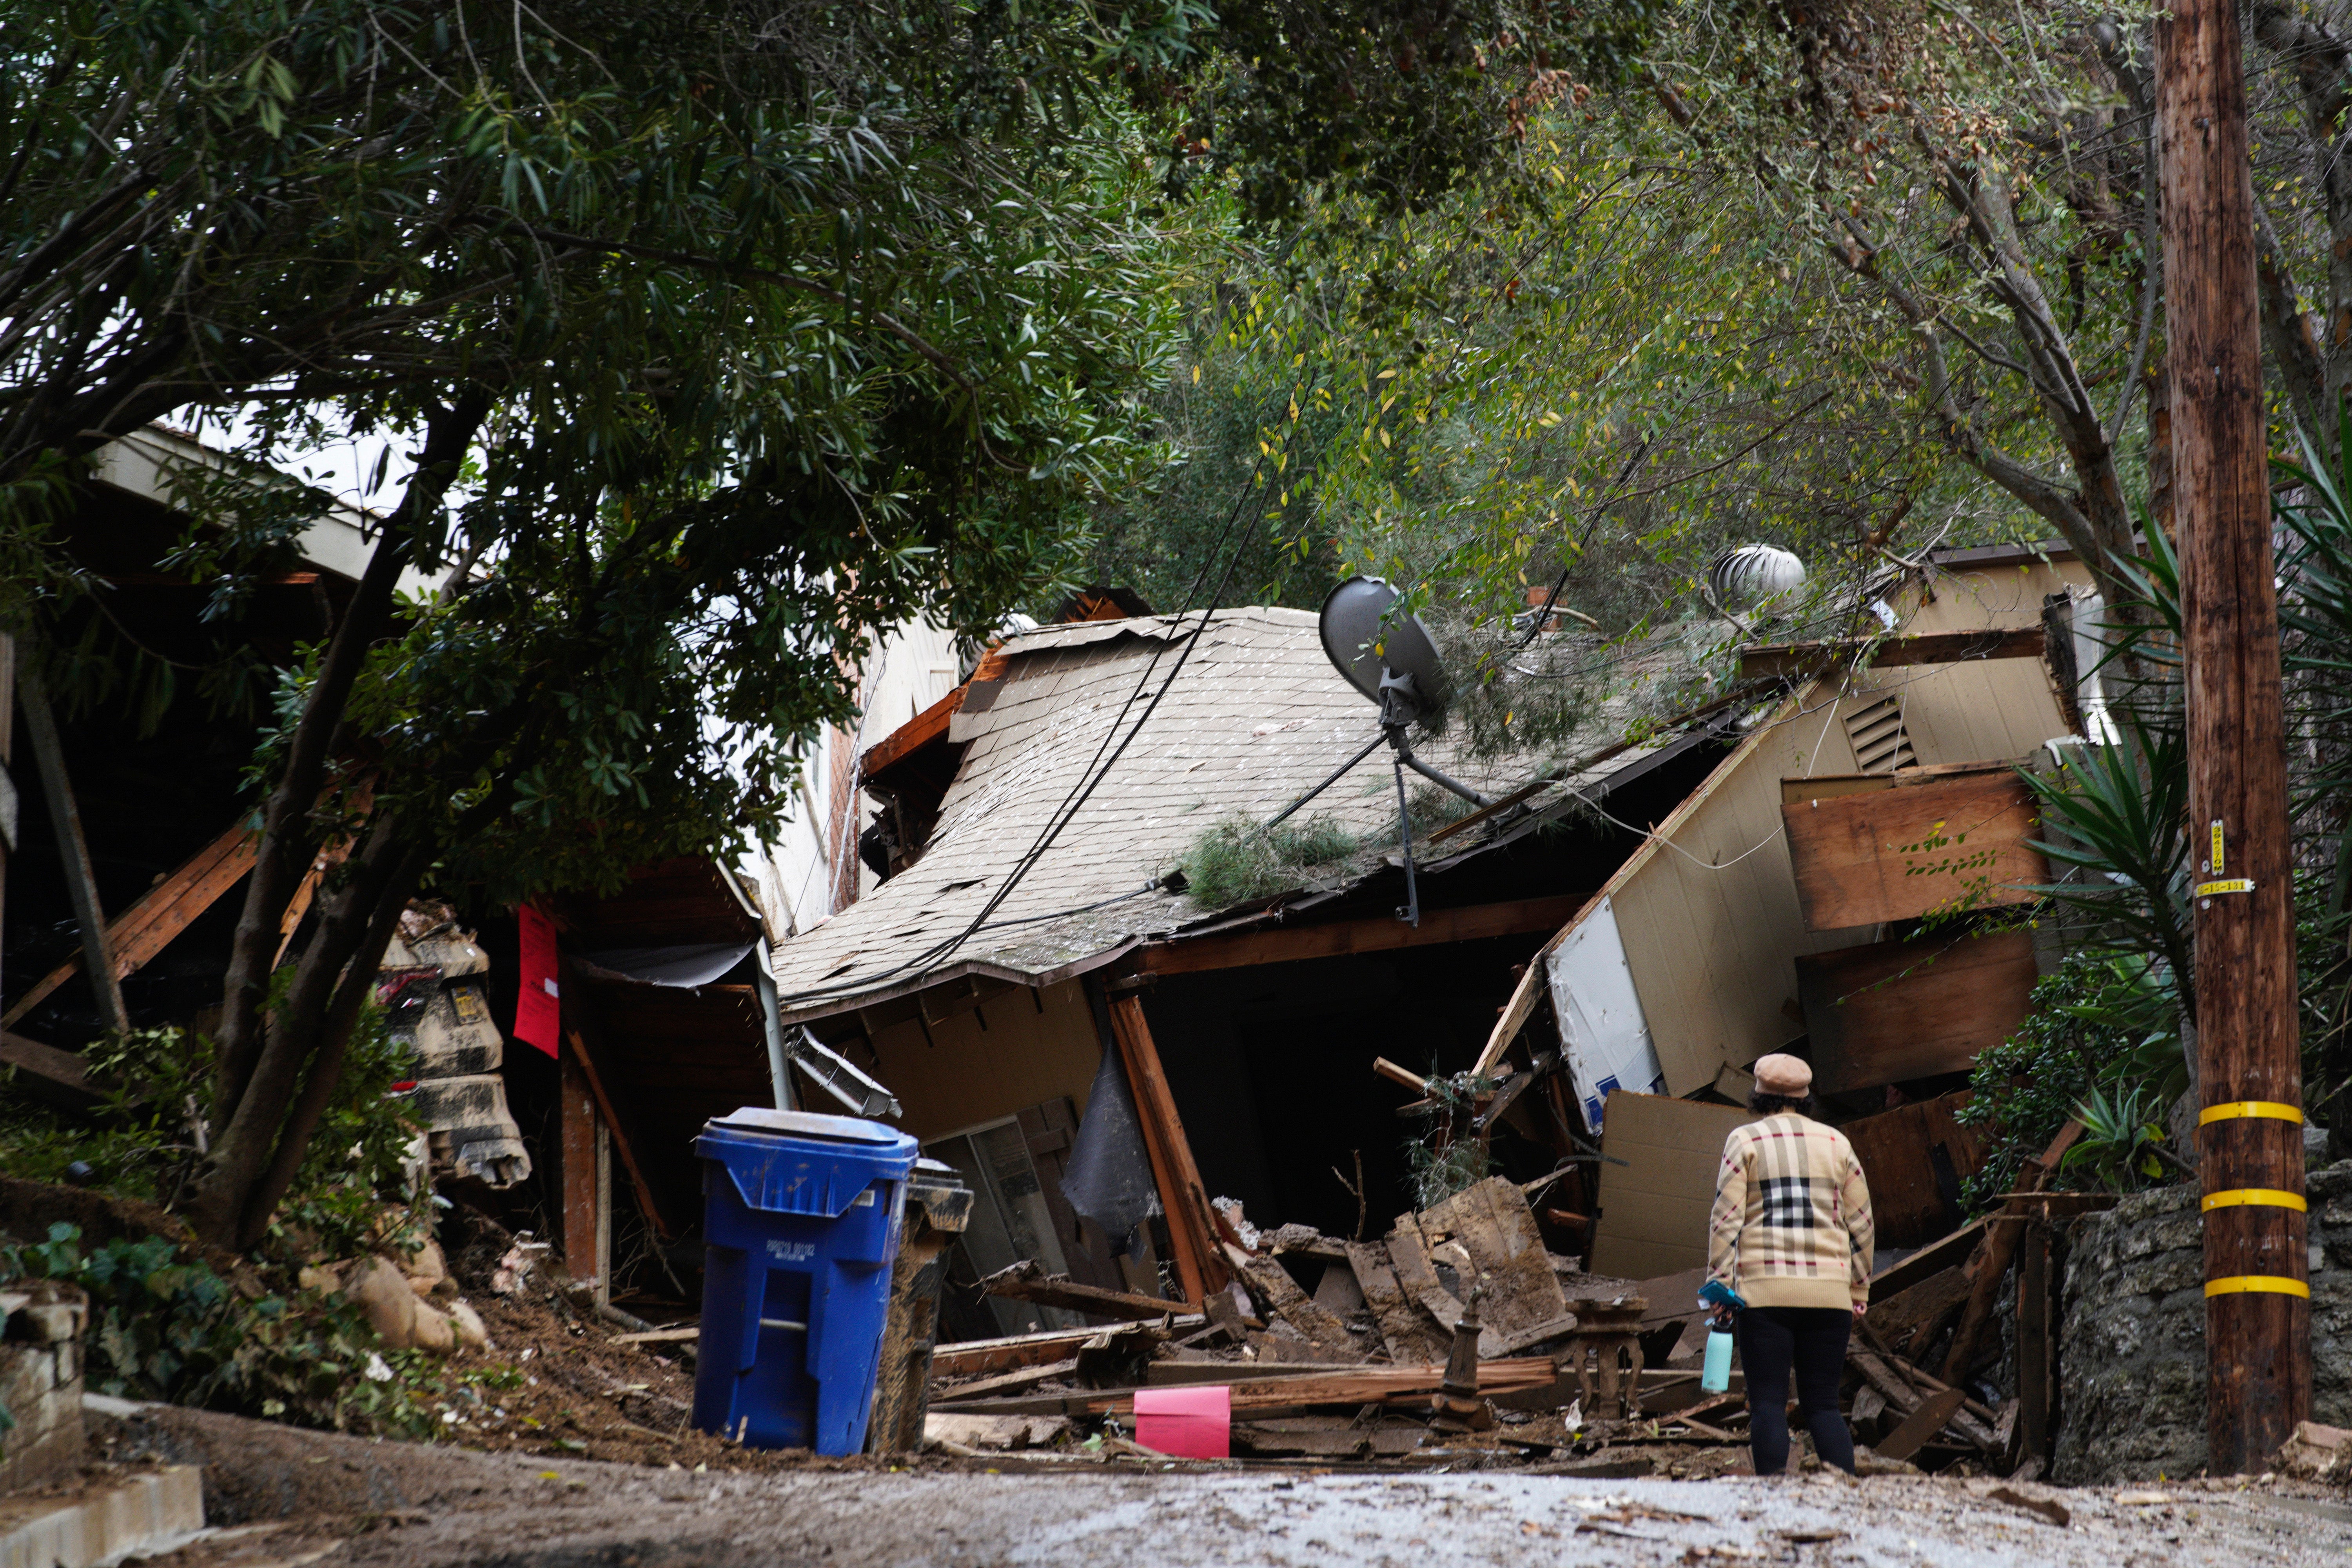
(1895, 1011)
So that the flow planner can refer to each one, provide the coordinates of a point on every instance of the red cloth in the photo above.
(539, 1016)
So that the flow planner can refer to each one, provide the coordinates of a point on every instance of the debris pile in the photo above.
(1459, 1337)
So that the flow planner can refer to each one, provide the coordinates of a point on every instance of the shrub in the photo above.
(1237, 860)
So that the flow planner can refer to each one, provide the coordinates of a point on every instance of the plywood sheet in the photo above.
(1915, 1157)
(1653, 1207)
(1948, 843)
(1900, 1010)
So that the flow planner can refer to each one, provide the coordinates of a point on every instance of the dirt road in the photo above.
(366, 1504)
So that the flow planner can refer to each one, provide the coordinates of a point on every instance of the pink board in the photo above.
(1194, 1422)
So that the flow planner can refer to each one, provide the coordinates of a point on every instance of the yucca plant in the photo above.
(2121, 818)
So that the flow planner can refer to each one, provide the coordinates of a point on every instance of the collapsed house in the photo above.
(1603, 957)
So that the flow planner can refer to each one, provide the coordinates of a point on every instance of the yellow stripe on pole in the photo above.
(2258, 1285)
(2265, 1197)
(2270, 1108)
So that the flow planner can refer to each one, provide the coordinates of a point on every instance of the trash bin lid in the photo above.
(807, 1125)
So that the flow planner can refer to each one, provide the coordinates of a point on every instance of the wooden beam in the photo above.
(1932, 1415)
(1788, 661)
(1991, 1262)
(1335, 939)
(60, 1073)
(161, 913)
(930, 724)
(620, 1142)
(576, 1161)
(65, 817)
(1027, 1281)
(1199, 1267)
(2033, 1358)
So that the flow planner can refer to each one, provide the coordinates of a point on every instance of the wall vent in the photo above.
(1881, 745)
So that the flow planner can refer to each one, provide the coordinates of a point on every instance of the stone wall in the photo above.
(2131, 1354)
(41, 1325)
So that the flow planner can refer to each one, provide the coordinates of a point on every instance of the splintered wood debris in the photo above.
(1335, 1350)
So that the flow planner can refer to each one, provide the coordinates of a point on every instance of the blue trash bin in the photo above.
(800, 1224)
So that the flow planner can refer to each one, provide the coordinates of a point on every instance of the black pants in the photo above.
(1812, 1340)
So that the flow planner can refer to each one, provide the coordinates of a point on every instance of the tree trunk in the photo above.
(288, 838)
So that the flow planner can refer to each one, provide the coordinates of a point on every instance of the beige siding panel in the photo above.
(966, 1076)
(2004, 597)
(1713, 947)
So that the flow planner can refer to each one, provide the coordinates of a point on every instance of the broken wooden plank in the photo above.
(1903, 1387)
(1187, 1374)
(1005, 1382)
(1200, 1267)
(1915, 1158)
(1419, 1283)
(971, 1358)
(1993, 1259)
(1268, 1279)
(73, 849)
(147, 927)
(1493, 1225)
(1407, 1335)
(1892, 1011)
(660, 1337)
(1949, 1252)
(1395, 1074)
(1913, 1318)
(57, 1075)
(1027, 1281)
(1962, 841)
(1931, 1415)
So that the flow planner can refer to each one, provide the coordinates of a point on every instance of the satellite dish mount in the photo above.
(1386, 655)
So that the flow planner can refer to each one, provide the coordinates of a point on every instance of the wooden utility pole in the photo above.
(2250, 1078)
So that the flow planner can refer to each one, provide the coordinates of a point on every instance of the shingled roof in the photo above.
(1256, 716)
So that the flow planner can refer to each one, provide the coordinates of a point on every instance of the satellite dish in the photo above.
(1386, 655)
(1389, 657)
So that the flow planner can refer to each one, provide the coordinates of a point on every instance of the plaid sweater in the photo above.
(1791, 1224)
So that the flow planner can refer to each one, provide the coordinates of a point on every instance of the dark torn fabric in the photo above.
(1109, 1178)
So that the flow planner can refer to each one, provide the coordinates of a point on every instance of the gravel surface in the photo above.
(303, 1497)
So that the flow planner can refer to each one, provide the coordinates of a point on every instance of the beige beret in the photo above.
(1780, 1073)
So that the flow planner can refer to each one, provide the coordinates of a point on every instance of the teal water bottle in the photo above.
(1716, 1375)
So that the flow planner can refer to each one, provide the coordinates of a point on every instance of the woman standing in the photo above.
(1791, 1236)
